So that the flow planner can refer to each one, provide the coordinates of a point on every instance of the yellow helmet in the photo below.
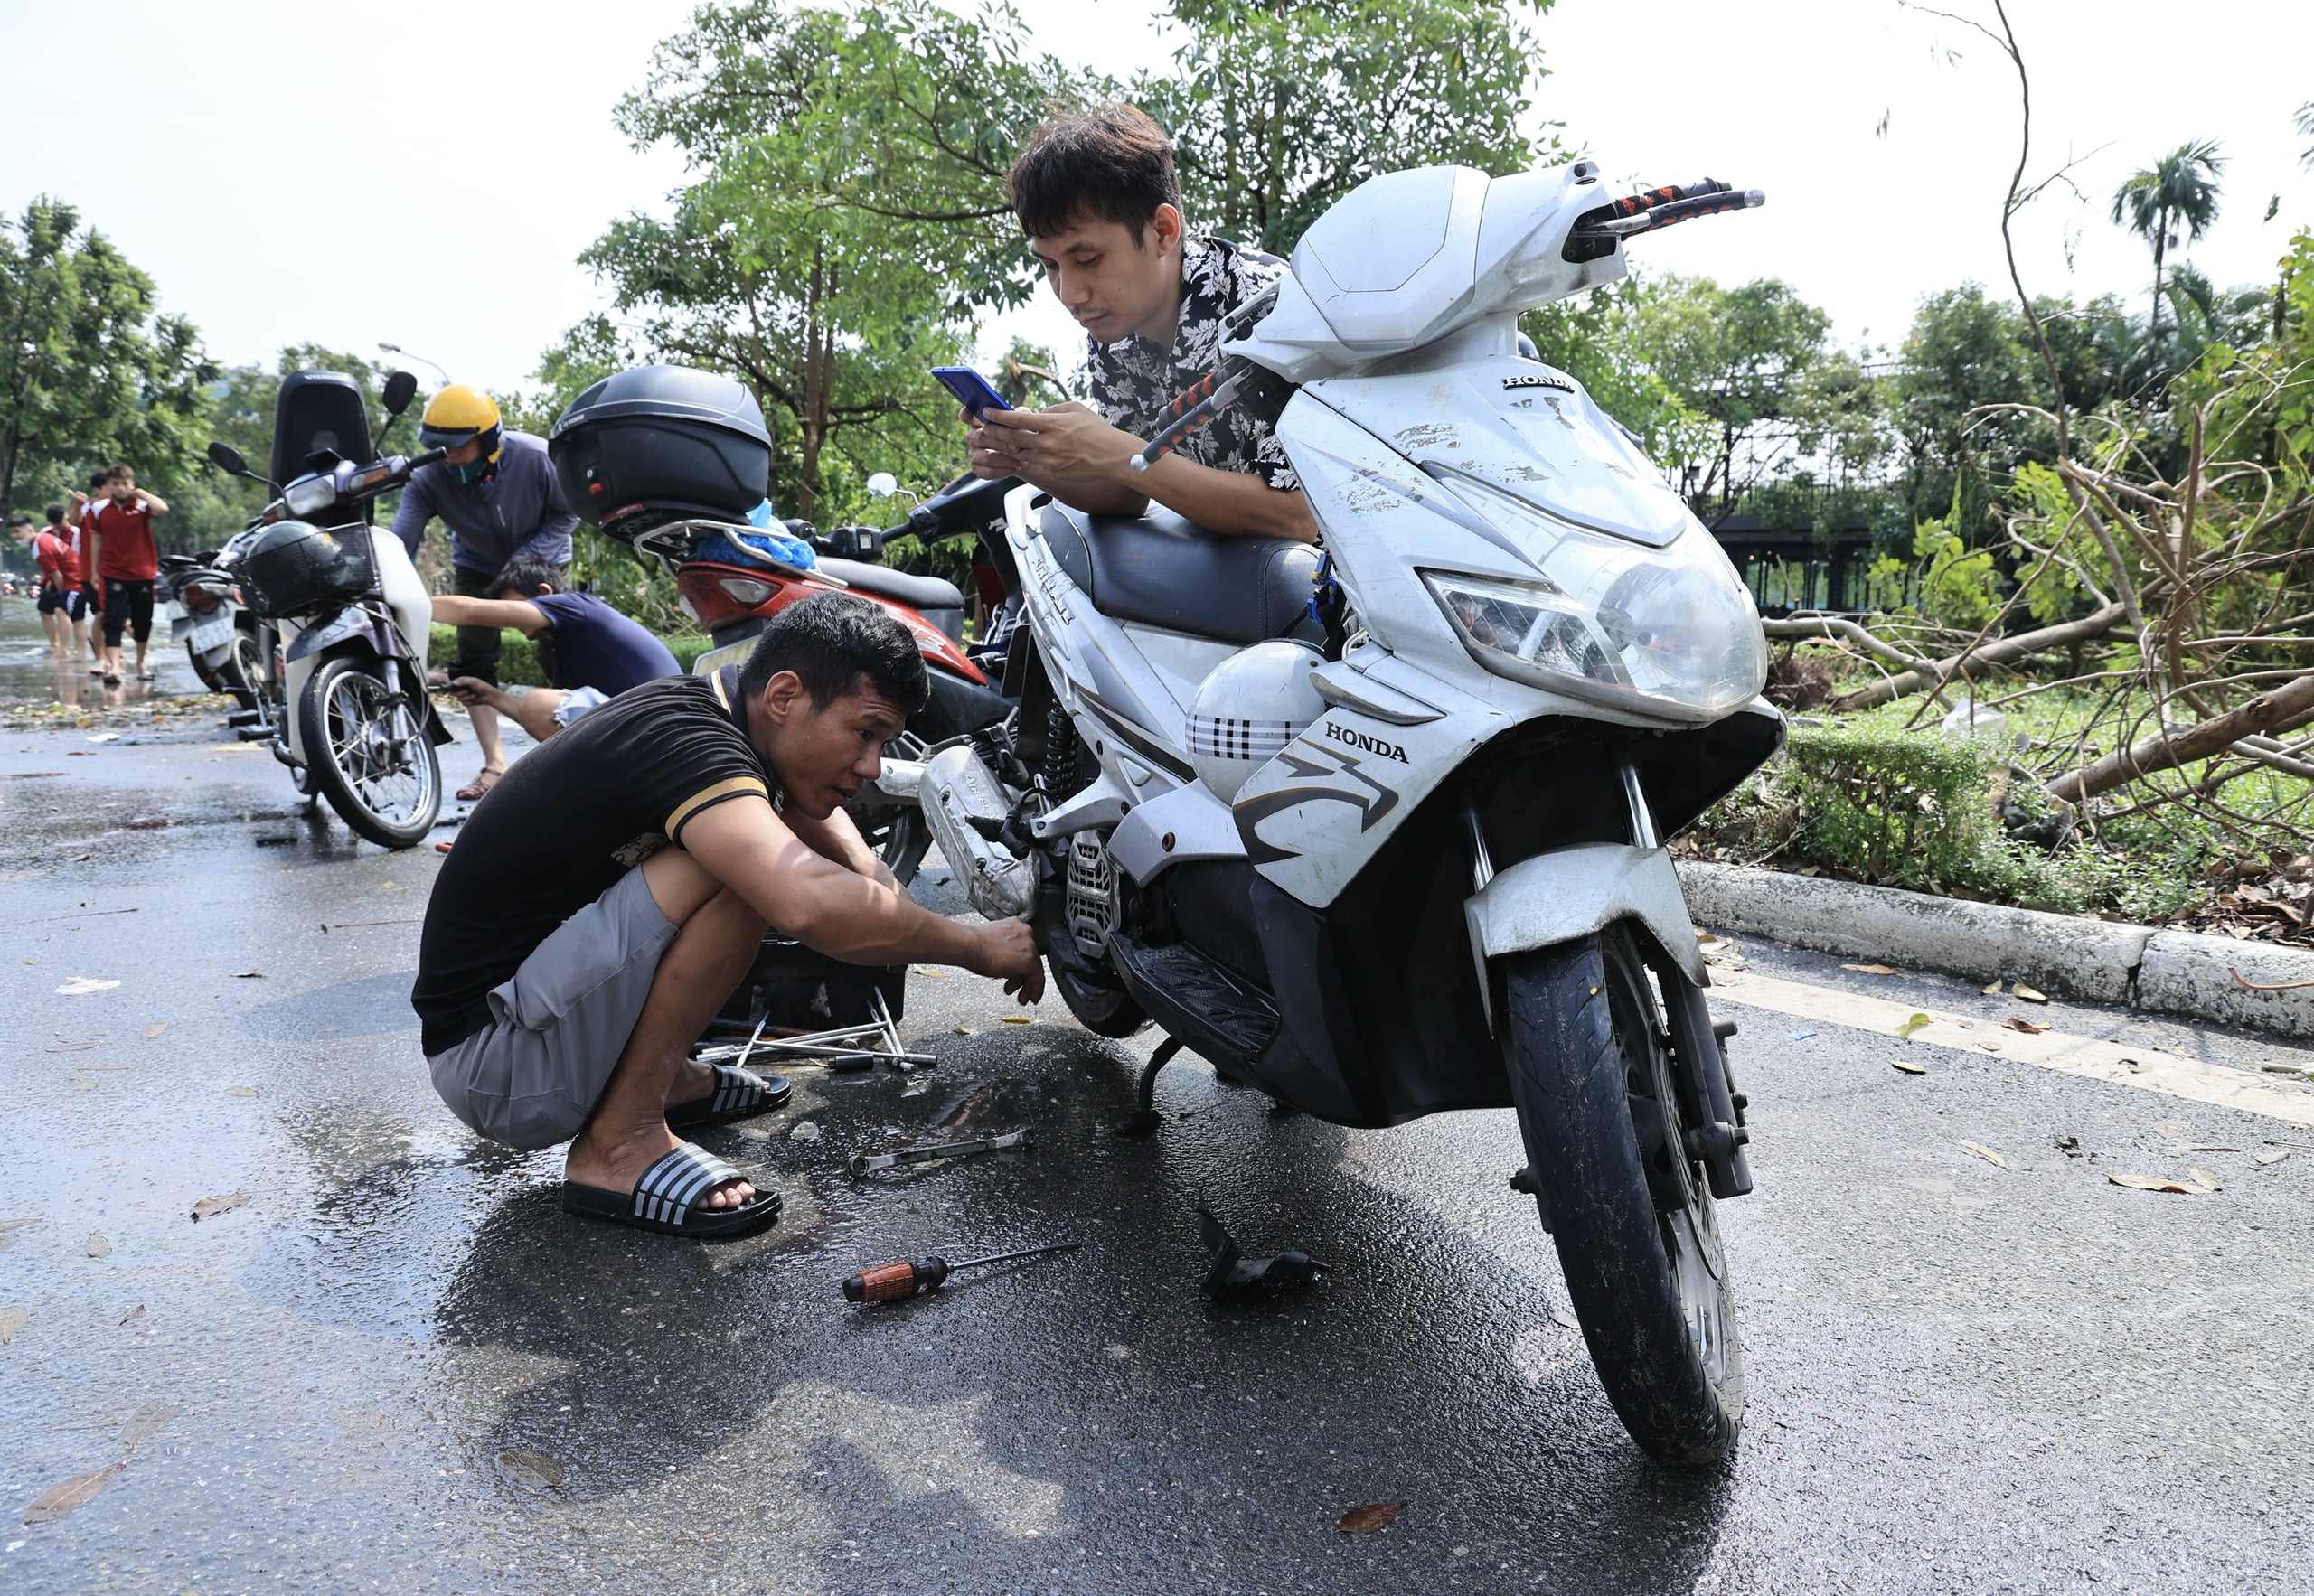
(460, 414)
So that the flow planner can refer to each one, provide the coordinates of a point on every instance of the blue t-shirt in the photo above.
(591, 645)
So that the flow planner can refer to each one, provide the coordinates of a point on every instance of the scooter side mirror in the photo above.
(225, 457)
(400, 389)
(883, 484)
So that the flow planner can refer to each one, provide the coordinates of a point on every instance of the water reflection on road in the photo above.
(28, 676)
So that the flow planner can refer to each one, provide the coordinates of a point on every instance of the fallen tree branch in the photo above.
(2001, 650)
(2284, 707)
(1804, 627)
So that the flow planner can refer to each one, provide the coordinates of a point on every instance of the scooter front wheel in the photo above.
(370, 754)
(1630, 1214)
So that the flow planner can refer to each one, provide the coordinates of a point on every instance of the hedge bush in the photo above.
(1908, 808)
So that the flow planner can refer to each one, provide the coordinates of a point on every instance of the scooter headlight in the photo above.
(309, 496)
(1669, 631)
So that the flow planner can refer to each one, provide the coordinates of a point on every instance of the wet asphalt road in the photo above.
(398, 1366)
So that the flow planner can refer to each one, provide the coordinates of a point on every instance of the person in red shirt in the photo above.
(62, 614)
(83, 530)
(127, 561)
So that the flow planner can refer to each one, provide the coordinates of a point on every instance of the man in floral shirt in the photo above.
(1098, 197)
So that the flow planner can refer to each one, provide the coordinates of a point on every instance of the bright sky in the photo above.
(291, 172)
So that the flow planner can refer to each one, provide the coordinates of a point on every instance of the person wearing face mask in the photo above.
(495, 489)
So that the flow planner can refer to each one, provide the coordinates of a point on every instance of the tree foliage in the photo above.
(91, 371)
(846, 217)
(1277, 109)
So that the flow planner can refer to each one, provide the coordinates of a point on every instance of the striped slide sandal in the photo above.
(738, 1094)
(668, 1199)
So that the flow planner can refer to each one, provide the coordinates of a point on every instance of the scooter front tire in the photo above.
(1638, 1245)
(351, 756)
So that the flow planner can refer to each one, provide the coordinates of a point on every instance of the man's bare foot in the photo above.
(615, 1162)
(693, 1080)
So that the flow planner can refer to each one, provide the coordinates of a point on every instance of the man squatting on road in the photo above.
(611, 895)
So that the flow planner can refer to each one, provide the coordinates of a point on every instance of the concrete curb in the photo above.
(2070, 955)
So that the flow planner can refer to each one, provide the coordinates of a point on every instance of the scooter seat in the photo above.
(918, 593)
(1162, 570)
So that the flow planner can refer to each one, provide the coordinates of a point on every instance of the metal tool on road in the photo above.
(898, 1281)
(933, 1152)
(842, 1050)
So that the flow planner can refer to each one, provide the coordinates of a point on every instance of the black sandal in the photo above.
(667, 1198)
(738, 1094)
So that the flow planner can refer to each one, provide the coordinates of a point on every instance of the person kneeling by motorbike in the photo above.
(606, 901)
(590, 652)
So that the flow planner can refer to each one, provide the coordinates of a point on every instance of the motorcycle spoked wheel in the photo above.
(1630, 1215)
(243, 672)
(367, 747)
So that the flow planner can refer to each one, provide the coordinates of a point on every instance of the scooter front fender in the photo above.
(1556, 897)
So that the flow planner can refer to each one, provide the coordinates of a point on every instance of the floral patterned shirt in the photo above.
(1133, 380)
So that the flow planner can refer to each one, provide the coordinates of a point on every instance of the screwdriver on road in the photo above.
(897, 1281)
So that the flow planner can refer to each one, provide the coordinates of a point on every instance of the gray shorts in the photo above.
(529, 1078)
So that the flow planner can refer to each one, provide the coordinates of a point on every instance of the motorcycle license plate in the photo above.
(214, 633)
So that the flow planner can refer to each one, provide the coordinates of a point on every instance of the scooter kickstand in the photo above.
(1145, 1117)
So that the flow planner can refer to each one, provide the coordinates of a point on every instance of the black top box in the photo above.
(658, 443)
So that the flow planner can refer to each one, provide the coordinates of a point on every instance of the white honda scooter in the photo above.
(1381, 834)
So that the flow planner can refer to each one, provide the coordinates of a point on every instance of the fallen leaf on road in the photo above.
(1801, 1035)
(132, 1313)
(249, 975)
(530, 1471)
(1990, 1047)
(1018, 1019)
(960, 1030)
(106, 736)
(12, 1320)
(1357, 1521)
(1996, 989)
(153, 1030)
(58, 1500)
(2013, 1023)
(2069, 1145)
(80, 986)
(148, 1418)
(1985, 1153)
(1564, 1319)
(929, 974)
(2211, 1147)
(210, 1206)
(2206, 1179)
(1870, 969)
(1904, 1031)
(97, 1246)
(1909, 1067)
(17, 1223)
(75, 1046)
(2027, 994)
(2155, 1183)
(240, 1091)
(803, 1131)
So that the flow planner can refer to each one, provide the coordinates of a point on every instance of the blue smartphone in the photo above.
(973, 390)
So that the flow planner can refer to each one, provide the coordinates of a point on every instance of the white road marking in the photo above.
(2147, 1069)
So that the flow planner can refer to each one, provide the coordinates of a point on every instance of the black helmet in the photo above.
(293, 566)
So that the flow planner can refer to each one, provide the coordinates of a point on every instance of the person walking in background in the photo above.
(83, 517)
(588, 651)
(497, 492)
(127, 561)
(63, 613)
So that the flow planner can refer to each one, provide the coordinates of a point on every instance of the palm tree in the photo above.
(2178, 192)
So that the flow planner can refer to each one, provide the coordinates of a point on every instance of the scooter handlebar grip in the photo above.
(887, 1282)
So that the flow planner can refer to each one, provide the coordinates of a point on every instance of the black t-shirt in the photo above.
(561, 827)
